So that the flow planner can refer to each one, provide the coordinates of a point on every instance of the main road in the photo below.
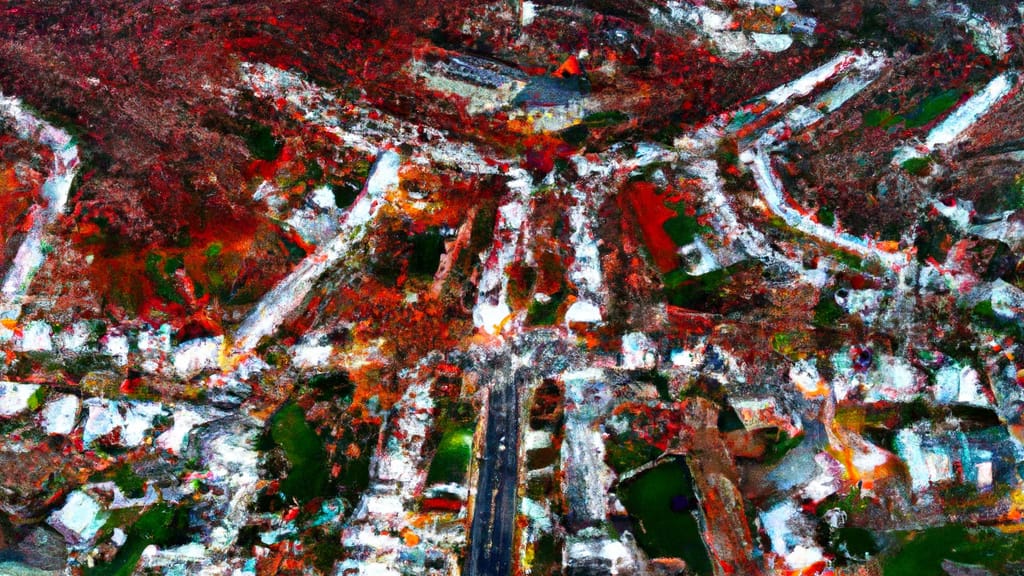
(494, 514)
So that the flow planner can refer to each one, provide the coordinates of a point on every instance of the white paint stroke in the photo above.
(55, 189)
(285, 298)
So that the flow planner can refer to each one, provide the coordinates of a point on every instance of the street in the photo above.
(493, 525)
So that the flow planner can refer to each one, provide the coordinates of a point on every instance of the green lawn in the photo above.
(451, 462)
(665, 525)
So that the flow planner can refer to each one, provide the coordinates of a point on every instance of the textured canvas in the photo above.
(511, 287)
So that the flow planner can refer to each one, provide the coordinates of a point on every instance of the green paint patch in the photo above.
(932, 108)
(627, 451)
(604, 119)
(917, 166)
(662, 503)
(160, 525)
(925, 113)
(129, 482)
(308, 477)
(159, 271)
(740, 119)
(826, 216)
(345, 193)
(779, 444)
(853, 544)
(921, 552)
(545, 313)
(36, 399)
(682, 228)
(880, 118)
(985, 314)
(262, 143)
(696, 292)
(451, 462)
(785, 343)
(827, 312)
(427, 249)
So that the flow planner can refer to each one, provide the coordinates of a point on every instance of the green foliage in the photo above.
(785, 343)
(849, 260)
(308, 477)
(547, 553)
(879, 118)
(314, 173)
(326, 552)
(931, 108)
(985, 314)
(1016, 195)
(853, 503)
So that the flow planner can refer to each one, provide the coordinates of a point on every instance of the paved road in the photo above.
(490, 536)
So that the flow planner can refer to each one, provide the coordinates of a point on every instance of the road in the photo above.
(490, 536)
